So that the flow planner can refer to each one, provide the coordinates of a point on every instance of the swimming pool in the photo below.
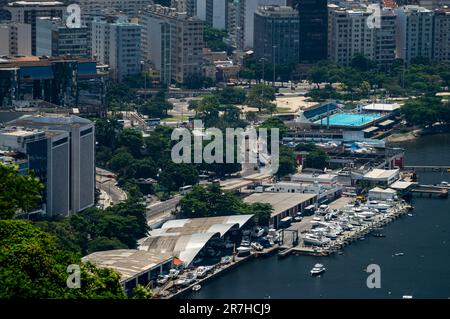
(349, 119)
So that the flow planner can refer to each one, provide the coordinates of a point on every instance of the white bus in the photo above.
(185, 189)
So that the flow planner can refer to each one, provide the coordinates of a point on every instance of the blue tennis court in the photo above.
(349, 119)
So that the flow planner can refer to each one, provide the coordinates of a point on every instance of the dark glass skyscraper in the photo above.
(313, 18)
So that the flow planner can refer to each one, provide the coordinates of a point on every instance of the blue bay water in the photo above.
(423, 271)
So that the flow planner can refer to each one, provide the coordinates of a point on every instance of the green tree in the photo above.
(31, 266)
(132, 140)
(287, 164)
(262, 213)
(141, 292)
(316, 159)
(261, 96)
(19, 193)
(174, 176)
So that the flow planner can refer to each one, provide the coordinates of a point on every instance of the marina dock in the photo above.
(430, 191)
(349, 236)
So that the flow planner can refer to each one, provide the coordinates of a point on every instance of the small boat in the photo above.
(317, 270)
(340, 253)
(398, 254)
(196, 288)
(410, 215)
(243, 250)
(379, 235)
(407, 297)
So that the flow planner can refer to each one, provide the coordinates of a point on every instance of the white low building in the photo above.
(381, 107)
(384, 177)
(378, 193)
(324, 192)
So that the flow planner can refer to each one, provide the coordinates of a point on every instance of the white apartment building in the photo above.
(349, 34)
(414, 30)
(172, 42)
(118, 45)
(15, 38)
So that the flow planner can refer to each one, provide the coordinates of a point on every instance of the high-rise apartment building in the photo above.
(213, 12)
(15, 38)
(441, 47)
(414, 31)
(54, 38)
(117, 44)
(313, 16)
(350, 34)
(278, 30)
(172, 42)
(28, 12)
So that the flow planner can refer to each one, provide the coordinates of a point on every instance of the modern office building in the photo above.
(28, 11)
(247, 9)
(118, 45)
(313, 16)
(64, 81)
(54, 38)
(172, 42)
(130, 8)
(277, 28)
(441, 47)
(414, 33)
(15, 38)
(61, 152)
(349, 35)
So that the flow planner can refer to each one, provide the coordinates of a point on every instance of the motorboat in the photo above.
(201, 271)
(196, 288)
(407, 297)
(186, 281)
(226, 260)
(162, 279)
(258, 232)
(243, 250)
(173, 273)
(315, 240)
(379, 235)
(257, 246)
(444, 184)
(398, 254)
(317, 270)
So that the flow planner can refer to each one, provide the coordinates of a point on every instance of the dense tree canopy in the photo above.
(31, 266)
(261, 96)
(19, 193)
(426, 111)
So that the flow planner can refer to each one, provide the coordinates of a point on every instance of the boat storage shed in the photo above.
(185, 238)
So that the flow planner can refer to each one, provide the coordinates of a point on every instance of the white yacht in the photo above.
(315, 240)
(201, 271)
(318, 269)
(173, 273)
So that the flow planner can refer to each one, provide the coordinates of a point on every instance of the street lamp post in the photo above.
(273, 63)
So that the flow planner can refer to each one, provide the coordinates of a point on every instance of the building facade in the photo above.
(28, 12)
(278, 30)
(66, 158)
(246, 15)
(53, 38)
(130, 8)
(66, 82)
(414, 29)
(349, 35)
(15, 38)
(172, 42)
(441, 47)
(313, 16)
(118, 45)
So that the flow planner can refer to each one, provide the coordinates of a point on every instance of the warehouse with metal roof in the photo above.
(185, 238)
